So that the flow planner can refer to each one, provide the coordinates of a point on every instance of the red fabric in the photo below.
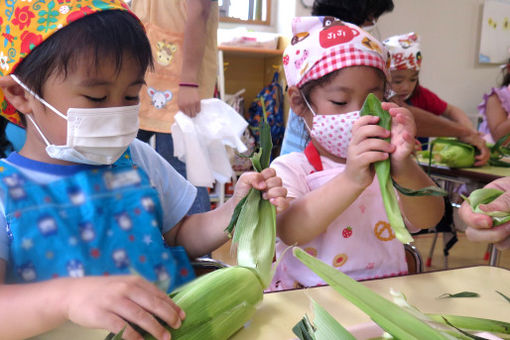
(313, 156)
(428, 101)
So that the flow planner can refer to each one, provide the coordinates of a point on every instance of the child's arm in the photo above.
(27, 310)
(497, 118)
(457, 115)
(425, 211)
(202, 233)
(310, 215)
(431, 125)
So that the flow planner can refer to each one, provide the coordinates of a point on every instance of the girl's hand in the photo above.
(403, 131)
(265, 181)
(366, 147)
(109, 302)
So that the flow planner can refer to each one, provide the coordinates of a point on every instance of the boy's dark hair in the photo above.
(98, 36)
(506, 74)
(353, 11)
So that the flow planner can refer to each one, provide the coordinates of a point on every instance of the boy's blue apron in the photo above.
(103, 221)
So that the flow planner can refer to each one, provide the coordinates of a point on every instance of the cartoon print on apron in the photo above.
(104, 221)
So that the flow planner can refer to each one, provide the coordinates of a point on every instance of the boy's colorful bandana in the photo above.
(322, 45)
(26, 24)
(404, 51)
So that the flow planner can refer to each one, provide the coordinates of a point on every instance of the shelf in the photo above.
(251, 51)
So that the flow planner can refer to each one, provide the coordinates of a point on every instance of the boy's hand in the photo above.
(480, 227)
(110, 302)
(265, 181)
(366, 147)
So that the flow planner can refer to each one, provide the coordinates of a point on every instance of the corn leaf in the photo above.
(427, 191)
(304, 329)
(254, 218)
(485, 196)
(324, 326)
(372, 106)
(504, 296)
(472, 323)
(464, 294)
(393, 319)
(498, 151)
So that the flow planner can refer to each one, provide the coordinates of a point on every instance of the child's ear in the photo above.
(297, 103)
(15, 94)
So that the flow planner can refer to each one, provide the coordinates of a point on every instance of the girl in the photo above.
(336, 211)
(425, 105)
(364, 13)
(84, 203)
(495, 110)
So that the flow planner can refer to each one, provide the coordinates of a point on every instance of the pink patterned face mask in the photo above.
(333, 132)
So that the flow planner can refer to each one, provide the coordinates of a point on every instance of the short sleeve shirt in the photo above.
(428, 101)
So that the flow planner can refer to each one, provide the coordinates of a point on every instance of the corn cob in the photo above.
(217, 304)
(221, 302)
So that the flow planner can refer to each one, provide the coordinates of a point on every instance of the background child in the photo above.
(336, 211)
(426, 106)
(364, 13)
(495, 110)
(83, 203)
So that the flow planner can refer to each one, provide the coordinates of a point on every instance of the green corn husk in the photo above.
(372, 106)
(255, 224)
(453, 153)
(498, 151)
(217, 304)
(390, 317)
(485, 196)
(398, 318)
(324, 327)
(472, 323)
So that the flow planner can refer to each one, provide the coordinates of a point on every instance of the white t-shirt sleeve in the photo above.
(175, 192)
(292, 169)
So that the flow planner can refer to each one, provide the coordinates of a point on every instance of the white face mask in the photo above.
(94, 136)
(333, 132)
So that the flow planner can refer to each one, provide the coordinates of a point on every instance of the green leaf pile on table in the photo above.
(399, 319)
(219, 303)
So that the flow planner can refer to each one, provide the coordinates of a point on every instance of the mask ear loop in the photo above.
(309, 108)
(42, 101)
(48, 105)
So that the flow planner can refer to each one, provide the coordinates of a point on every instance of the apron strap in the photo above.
(313, 157)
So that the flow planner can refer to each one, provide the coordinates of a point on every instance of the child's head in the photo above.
(405, 56)
(359, 12)
(91, 54)
(331, 67)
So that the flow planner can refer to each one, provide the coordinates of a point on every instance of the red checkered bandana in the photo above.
(322, 45)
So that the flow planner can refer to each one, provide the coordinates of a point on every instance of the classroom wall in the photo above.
(450, 34)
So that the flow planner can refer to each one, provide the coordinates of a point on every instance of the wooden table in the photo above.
(280, 311)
